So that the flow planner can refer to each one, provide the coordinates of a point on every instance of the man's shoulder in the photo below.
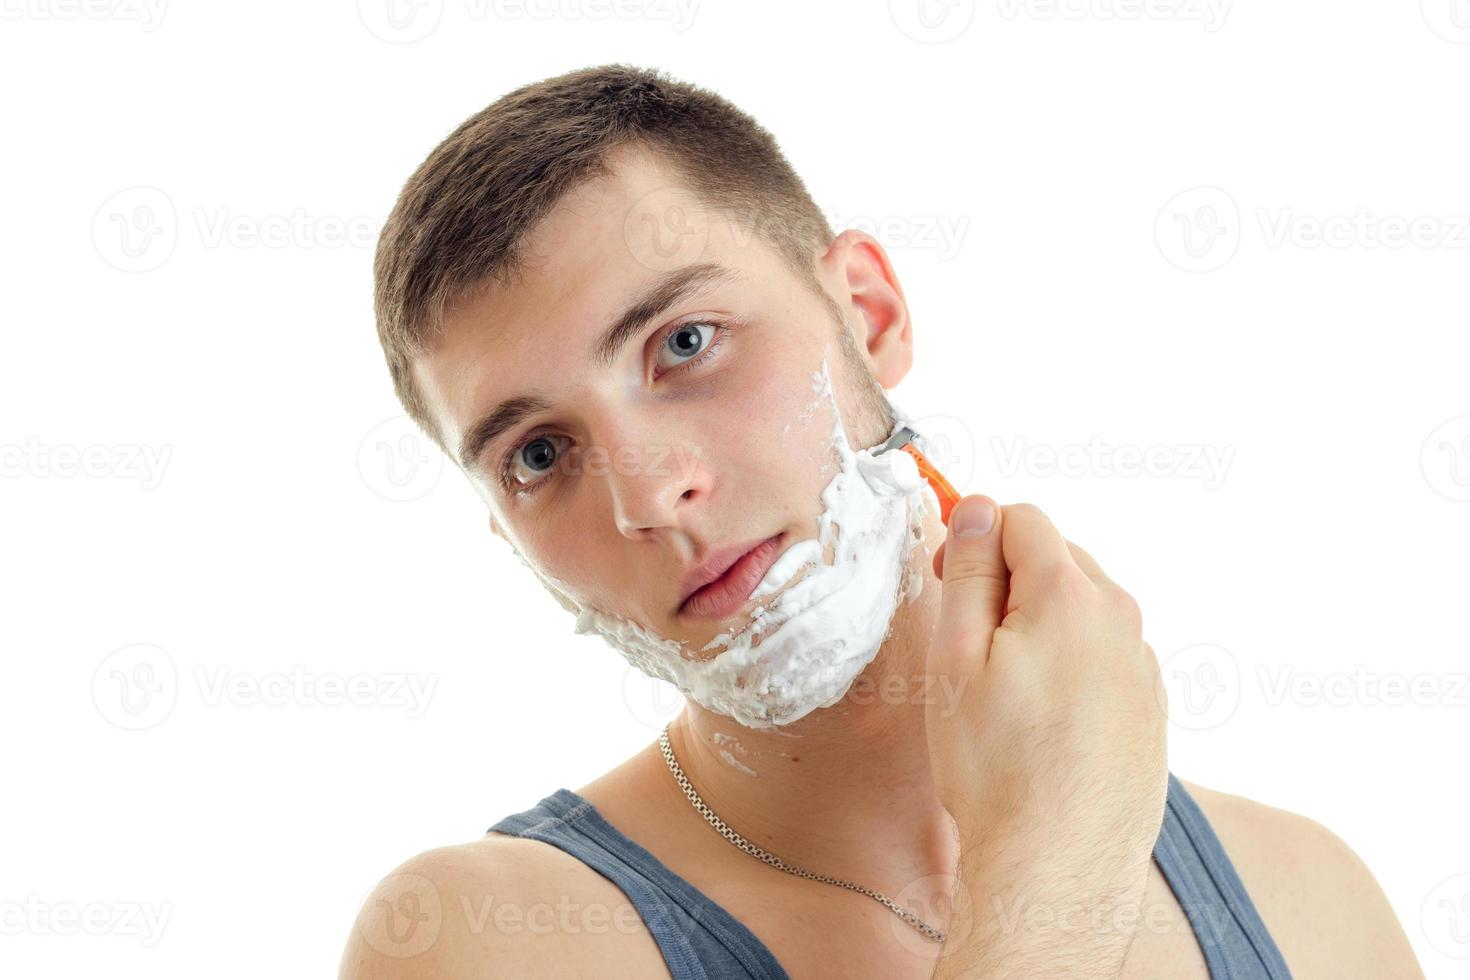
(499, 906)
(1321, 903)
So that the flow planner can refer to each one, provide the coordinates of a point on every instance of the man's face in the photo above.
(701, 431)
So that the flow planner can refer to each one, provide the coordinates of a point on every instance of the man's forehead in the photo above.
(604, 247)
(638, 191)
(601, 245)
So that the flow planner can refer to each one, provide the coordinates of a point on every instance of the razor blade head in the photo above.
(902, 437)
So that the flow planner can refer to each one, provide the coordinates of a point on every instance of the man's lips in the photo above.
(721, 584)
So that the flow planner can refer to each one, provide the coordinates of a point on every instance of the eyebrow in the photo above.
(666, 291)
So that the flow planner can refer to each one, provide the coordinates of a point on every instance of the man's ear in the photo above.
(865, 279)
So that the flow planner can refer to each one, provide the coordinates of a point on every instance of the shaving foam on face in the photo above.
(820, 624)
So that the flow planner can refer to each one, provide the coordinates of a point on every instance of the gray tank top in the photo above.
(701, 941)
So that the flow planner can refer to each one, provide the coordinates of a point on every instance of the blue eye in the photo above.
(687, 341)
(537, 455)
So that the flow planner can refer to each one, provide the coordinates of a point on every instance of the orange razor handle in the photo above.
(947, 495)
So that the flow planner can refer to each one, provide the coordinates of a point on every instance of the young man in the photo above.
(610, 300)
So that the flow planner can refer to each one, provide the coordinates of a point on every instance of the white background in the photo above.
(191, 193)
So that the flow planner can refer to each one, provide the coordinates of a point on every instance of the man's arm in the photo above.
(1326, 911)
(496, 909)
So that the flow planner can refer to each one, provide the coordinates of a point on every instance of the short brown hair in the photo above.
(463, 214)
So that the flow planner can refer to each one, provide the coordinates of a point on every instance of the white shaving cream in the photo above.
(823, 623)
(727, 742)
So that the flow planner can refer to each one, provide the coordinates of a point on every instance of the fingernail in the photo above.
(972, 520)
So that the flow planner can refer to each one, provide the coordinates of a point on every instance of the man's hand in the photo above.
(1053, 764)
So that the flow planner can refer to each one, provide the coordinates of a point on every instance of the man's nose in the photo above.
(654, 485)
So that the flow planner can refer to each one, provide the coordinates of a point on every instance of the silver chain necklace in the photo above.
(771, 859)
